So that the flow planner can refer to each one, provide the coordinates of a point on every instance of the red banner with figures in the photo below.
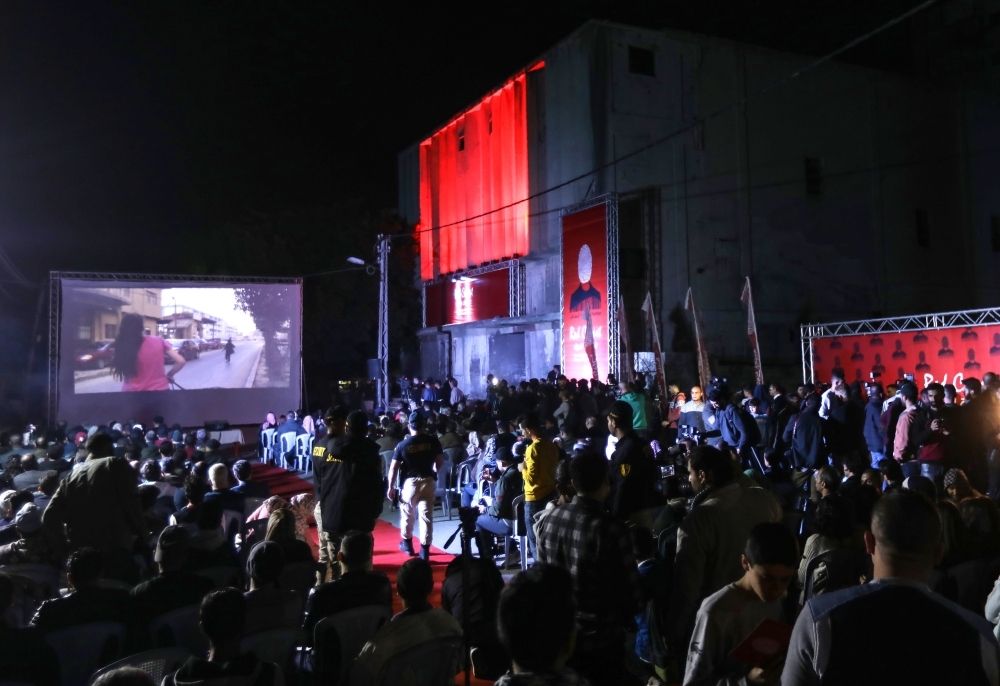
(941, 355)
(585, 294)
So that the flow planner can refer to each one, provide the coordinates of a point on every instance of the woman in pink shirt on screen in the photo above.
(138, 359)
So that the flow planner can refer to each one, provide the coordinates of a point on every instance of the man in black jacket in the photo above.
(349, 484)
(88, 602)
(632, 472)
(495, 519)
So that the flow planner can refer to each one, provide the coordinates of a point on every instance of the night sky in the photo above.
(132, 132)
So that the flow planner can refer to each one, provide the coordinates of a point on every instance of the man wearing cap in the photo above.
(336, 425)
(417, 459)
(729, 420)
(632, 471)
(269, 607)
(348, 486)
(172, 588)
(30, 548)
(495, 519)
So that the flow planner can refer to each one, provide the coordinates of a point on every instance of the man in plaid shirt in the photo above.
(597, 550)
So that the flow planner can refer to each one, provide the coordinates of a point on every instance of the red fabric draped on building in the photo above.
(477, 163)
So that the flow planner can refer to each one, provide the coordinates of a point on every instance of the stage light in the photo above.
(356, 260)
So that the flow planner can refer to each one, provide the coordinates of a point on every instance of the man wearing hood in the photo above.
(222, 618)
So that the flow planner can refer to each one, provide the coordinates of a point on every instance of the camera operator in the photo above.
(632, 470)
(691, 422)
(734, 423)
(934, 434)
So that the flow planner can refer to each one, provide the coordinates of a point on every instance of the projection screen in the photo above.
(187, 349)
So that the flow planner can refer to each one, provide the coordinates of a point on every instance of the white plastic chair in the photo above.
(179, 628)
(277, 646)
(303, 452)
(157, 663)
(83, 648)
(267, 443)
(287, 444)
(354, 628)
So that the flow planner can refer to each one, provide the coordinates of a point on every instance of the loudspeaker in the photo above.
(374, 369)
(217, 425)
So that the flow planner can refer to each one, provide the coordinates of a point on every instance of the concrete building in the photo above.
(843, 193)
(100, 309)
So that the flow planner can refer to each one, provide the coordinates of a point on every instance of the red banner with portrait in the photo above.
(939, 355)
(585, 294)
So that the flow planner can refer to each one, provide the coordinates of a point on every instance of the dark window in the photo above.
(814, 176)
(641, 61)
(461, 143)
(923, 229)
(995, 233)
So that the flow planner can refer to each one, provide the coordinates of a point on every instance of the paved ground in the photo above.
(208, 371)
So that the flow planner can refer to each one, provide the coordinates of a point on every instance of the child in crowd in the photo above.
(726, 617)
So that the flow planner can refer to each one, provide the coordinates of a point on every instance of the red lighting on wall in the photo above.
(476, 164)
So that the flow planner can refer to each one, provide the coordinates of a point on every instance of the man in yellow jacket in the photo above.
(539, 472)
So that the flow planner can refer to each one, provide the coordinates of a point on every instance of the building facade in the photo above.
(843, 193)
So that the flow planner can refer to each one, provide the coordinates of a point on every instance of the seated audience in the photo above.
(281, 530)
(494, 519)
(222, 618)
(269, 607)
(728, 616)
(209, 545)
(416, 624)
(893, 630)
(536, 622)
(11, 502)
(246, 486)
(218, 477)
(597, 550)
(957, 487)
(827, 481)
(172, 588)
(485, 585)
(46, 489)
(194, 490)
(25, 656)
(892, 474)
(88, 602)
(54, 460)
(357, 586)
(152, 513)
(30, 475)
(31, 546)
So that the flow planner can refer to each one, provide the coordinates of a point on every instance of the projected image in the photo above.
(160, 339)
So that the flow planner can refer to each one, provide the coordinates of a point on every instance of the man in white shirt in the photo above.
(833, 397)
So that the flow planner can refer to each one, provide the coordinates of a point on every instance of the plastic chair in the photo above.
(287, 443)
(354, 628)
(844, 568)
(455, 455)
(156, 663)
(179, 629)
(267, 444)
(299, 577)
(222, 577)
(303, 452)
(443, 489)
(432, 663)
(83, 648)
(277, 646)
(520, 528)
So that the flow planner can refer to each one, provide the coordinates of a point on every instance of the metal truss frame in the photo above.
(610, 201)
(55, 313)
(516, 285)
(916, 322)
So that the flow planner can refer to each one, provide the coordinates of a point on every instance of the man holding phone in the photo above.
(934, 437)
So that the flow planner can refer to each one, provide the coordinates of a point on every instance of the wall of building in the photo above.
(892, 152)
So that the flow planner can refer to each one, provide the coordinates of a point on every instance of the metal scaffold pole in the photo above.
(382, 384)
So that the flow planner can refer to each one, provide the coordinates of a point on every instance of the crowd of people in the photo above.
(852, 526)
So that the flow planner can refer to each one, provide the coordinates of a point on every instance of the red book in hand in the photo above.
(768, 640)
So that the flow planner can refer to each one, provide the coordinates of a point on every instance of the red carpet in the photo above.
(282, 482)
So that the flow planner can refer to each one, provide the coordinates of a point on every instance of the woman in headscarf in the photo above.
(138, 359)
(309, 424)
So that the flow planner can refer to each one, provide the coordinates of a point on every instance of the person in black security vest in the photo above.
(632, 471)
(418, 458)
(348, 476)
(893, 630)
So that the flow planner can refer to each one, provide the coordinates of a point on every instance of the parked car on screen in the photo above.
(215, 343)
(94, 355)
(187, 348)
(202, 344)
